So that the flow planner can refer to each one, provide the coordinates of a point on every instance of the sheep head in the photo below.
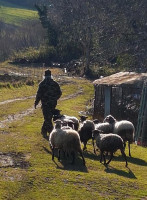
(95, 133)
(96, 121)
(58, 123)
(110, 119)
(83, 118)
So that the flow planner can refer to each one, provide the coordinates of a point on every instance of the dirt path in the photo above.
(18, 99)
(18, 116)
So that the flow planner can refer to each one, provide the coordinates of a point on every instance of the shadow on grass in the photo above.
(136, 161)
(128, 174)
(65, 164)
(77, 166)
(47, 151)
(90, 155)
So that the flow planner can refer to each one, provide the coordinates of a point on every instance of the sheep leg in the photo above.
(124, 145)
(52, 153)
(85, 143)
(124, 155)
(101, 156)
(59, 152)
(65, 154)
(73, 158)
(129, 149)
(111, 156)
(81, 154)
(93, 146)
(104, 159)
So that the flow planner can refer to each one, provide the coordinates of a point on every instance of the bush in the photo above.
(33, 55)
(95, 71)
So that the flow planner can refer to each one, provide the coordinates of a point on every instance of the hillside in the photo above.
(27, 171)
(15, 14)
(18, 3)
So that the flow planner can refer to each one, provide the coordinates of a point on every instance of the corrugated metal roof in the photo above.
(121, 78)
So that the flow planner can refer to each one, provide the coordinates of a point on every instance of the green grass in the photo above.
(35, 176)
(15, 15)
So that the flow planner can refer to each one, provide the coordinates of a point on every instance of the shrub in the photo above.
(33, 55)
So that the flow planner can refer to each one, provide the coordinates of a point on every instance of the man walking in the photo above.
(48, 93)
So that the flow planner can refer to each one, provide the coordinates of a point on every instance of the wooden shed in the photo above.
(119, 95)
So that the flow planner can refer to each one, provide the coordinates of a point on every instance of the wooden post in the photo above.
(107, 93)
(141, 131)
(144, 128)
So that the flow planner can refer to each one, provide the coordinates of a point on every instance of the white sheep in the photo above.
(123, 128)
(58, 115)
(108, 143)
(105, 127)
(66, 139)
(85, 132)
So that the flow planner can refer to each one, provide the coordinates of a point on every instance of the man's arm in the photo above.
(38, 97)
(58, 90)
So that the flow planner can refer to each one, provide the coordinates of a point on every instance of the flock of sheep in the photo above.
(108, 136)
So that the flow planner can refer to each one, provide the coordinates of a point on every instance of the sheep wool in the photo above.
(105, 127)
(66, 139)
(109, 143)
(75, 120)
(85, 132)
(123, 128)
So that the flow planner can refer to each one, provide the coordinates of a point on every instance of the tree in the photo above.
(110, 32)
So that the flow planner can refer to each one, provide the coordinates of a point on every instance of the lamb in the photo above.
(66, 139)
(108, 143)
(57, 115)
(123, 128)
(85, 132)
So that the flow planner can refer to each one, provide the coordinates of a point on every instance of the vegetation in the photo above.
(19, 29)
(105, 33)
(97, 34)
(27, 170)
(35, 55)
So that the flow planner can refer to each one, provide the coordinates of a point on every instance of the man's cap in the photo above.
(47, 72)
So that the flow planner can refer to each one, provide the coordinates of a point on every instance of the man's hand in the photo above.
(35, 105)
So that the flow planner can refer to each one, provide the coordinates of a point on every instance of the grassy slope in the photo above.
(39, 178)
(11, 14)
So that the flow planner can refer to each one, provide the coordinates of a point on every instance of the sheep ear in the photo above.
(100, 131)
